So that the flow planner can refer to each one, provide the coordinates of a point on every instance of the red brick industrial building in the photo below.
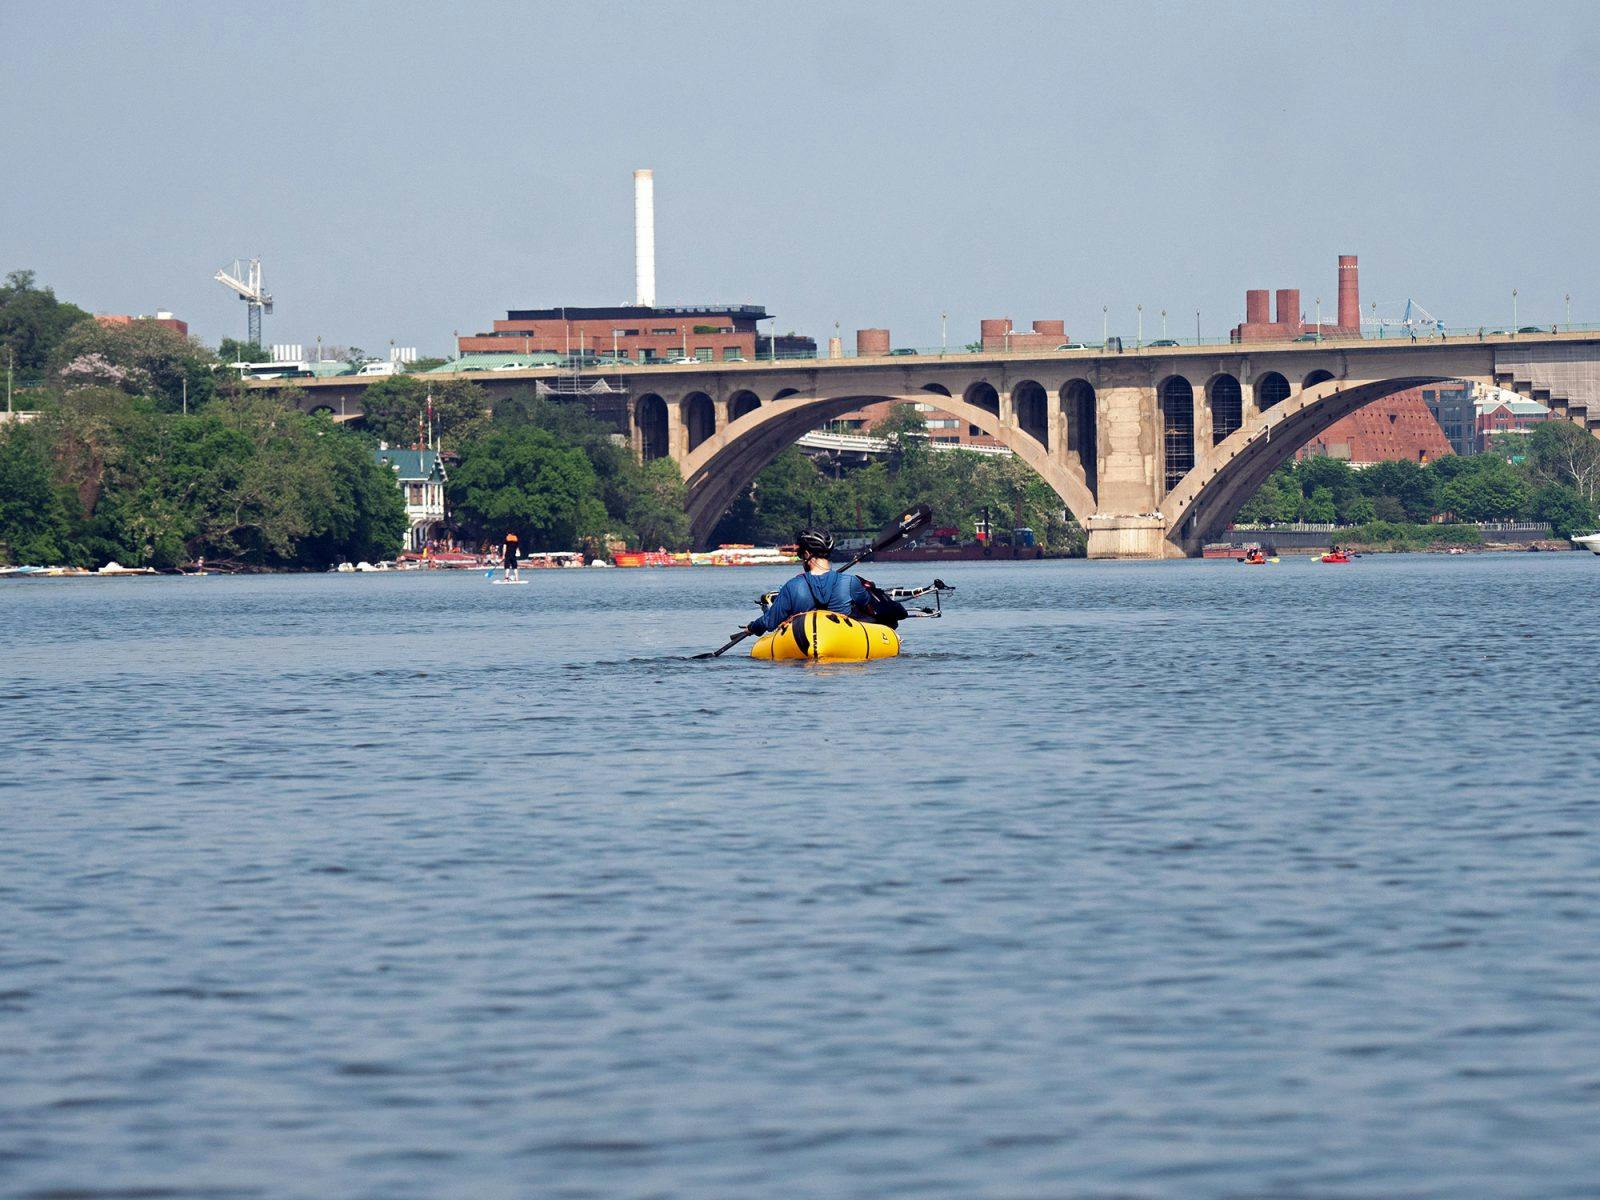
(711, 333)
(161, 318)
(1398, 426)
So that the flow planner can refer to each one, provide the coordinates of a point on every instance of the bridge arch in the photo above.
(785, 393)
(650, 422)
(1176, 396)
(1226, 399)
(1202, 504)
(1271, 389)
(983, 395)
(742, 402)
(1032, 406)
(1079, 408)
(699, 418)
(1316, 377)
(938, 389)
(720, 469)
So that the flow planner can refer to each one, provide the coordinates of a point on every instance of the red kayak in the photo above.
(1338, 556)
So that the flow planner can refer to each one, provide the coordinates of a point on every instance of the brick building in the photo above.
(161, 318)
(1397, 427)
(1500, 411)
(710, 333)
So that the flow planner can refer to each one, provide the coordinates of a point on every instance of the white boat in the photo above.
(1588, 541)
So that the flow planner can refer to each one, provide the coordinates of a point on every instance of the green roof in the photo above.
(411, 465)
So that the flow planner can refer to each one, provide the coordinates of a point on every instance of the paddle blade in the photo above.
(908, 524)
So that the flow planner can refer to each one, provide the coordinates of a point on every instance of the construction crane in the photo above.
(246, 281)
(1415, 320)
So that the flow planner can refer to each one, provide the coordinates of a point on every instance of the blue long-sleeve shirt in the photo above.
(829, 589)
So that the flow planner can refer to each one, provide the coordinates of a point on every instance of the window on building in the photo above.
(703, 353)
(664, 332)
(415, 491)
(731, 352)
(974, 431)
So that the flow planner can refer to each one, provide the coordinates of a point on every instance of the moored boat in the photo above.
(1588, 541)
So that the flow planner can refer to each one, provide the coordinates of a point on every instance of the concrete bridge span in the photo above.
(1152, 450)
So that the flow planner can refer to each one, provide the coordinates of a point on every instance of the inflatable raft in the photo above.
(827, 637)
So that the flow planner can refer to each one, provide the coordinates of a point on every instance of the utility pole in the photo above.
(11, 363)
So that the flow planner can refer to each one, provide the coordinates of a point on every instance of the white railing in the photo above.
(860, 443)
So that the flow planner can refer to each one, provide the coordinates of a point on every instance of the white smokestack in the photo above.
(644, 238)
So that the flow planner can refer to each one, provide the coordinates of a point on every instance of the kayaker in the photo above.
(817, 586)
(508, 557)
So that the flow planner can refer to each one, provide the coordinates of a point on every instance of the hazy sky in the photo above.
(405, 170)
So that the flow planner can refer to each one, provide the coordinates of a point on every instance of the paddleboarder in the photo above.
(508, 559)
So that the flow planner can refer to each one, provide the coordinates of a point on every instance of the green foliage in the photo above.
(248, 482)
(528, 482)
(791, 493)
(1487, 488)
(34, 525)
(33, 322)
(231, 350)
(395, 407)
(643, 504)
(1566, 511)
(141, 358)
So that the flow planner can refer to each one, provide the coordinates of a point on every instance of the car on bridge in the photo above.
(1072, 346)
(900, 353)
(1165, 342)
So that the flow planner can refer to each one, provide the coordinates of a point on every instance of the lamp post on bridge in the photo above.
(1163, 324)
(1568, 299)
(1319, 318)
(944, 340)
(1140, 341)
(1513, 312)
(1105, 324)
(1197, 327)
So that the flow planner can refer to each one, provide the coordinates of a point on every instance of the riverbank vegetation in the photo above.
(960, 488)
(1550, 474)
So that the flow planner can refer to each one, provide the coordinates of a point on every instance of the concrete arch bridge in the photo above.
(1153, 452)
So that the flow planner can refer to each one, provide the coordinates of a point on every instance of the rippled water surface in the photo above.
(1127, 880)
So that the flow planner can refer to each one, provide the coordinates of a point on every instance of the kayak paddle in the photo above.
(908, 524)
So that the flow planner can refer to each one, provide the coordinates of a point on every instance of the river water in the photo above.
(1127, 880)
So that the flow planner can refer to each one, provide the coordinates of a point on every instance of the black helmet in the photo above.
(816, 542)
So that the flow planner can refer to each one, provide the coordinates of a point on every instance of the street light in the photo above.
(944, 341)
(1568, 299)
(1513, 312)
(1197, 327)
(1319, 318)
(1140, 341)
(1105, 324)
(1163, 324)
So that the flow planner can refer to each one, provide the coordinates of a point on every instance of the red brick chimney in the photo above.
(1349, 295)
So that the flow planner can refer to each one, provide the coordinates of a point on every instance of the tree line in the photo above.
(1550, 474)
